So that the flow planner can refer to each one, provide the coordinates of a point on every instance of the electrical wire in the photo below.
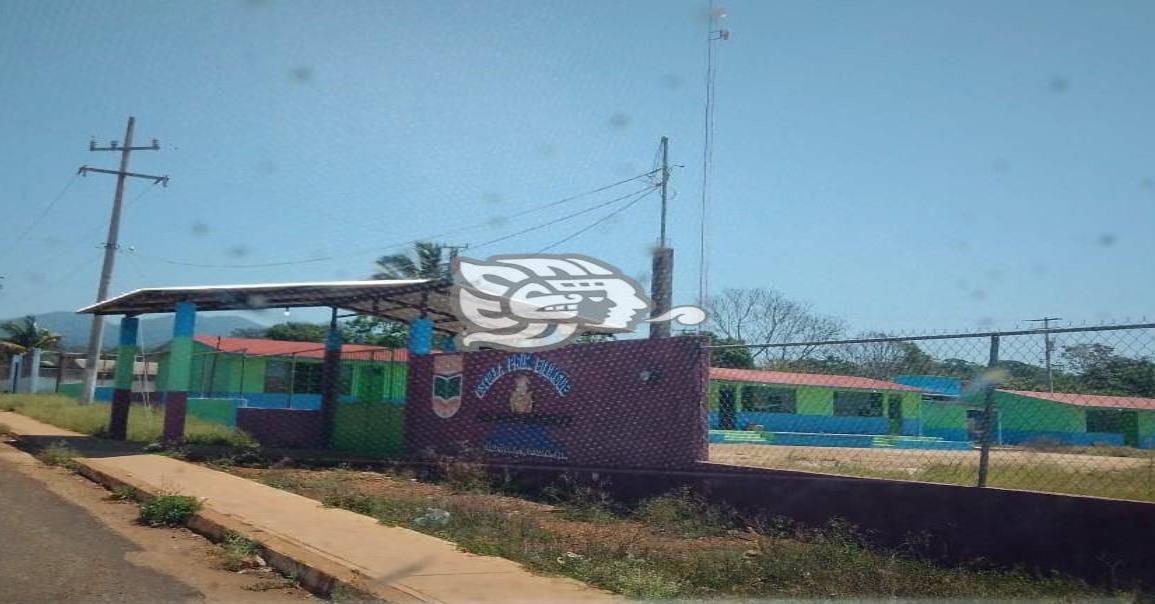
(560, 219)
(47, 209)
(644, 194)
(380, 248)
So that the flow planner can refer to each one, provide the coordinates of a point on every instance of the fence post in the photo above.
(988, 407)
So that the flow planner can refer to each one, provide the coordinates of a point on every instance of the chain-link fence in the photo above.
(1064, 410)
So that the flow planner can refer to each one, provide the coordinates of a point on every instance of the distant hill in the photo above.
(155, 330)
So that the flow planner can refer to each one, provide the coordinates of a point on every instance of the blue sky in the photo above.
(907, 166)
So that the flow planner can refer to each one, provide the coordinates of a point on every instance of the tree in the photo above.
(764, 316)
(292, 332)
(1100, 371)
(738, 357)
(429, 262)
(375, 331)
(885, 360)
(24, 334)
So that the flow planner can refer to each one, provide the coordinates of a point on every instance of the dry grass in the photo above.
(674, 546)
(145, 424)
(1097, 474)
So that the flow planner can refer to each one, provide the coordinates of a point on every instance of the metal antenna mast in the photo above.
(1048, 346)
(96, 335)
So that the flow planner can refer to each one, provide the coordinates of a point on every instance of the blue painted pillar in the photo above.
(449, 344)
(125, 371)
(420, 336)
(179, 372)
(330, 378)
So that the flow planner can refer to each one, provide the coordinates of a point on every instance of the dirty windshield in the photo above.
(540, 301)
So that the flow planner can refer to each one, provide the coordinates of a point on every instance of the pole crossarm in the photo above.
(161, 180)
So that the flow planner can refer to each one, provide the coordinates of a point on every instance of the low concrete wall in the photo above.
(1101, 540)
(285, 428)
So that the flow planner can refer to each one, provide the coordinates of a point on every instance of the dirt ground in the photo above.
(180, 554)
(904, 461)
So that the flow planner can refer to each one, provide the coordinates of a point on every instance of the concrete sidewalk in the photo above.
(395, 564)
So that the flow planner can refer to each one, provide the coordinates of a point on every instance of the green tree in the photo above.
(375, 331)
(292, 332)
(738, 357)
(24, 334)
(429, 261)
(1099, 370)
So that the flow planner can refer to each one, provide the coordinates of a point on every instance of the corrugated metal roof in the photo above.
(399, 300)
(309, 350)
(1091, 400)
(805, 379)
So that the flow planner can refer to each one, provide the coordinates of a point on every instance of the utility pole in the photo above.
(96, 335)
(661, 284)
(1048, 345)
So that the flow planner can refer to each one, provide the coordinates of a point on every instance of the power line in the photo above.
(47, 208)
(561, 219)
(643, 194)
(381, 248)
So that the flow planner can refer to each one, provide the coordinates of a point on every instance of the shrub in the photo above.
(169, 510)
(685, 513)
(239, 552)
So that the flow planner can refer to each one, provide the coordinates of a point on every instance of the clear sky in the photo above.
(905, 165)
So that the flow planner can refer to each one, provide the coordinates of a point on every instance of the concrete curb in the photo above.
(315, 571)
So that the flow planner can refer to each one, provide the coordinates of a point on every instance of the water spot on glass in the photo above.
(200, 229)
(672, 81)
(961, 246)
(491, 198)
(962, 284)
(496, 222)
(1040, 269)
(1000, 166)
(35, 278)
(619, 121)
(626, 168)
(256, 302)
(547, 149)
(51, 241)
(643, 277)
(239, 251)
(1107, 239)
(301, 74)
(979, 295)
(994, 274)
(986, 322)
(1147, 184)
(1059, 85)
(267, 167)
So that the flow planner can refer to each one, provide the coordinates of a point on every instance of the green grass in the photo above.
(144, 424)
(58, 454)
(238, 552)
(168, 510)
(667, 557)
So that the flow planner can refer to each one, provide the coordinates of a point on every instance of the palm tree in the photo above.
(429, 262)
(24, 335)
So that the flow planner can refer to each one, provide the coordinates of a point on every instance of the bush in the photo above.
(169, 510)
(239, 552)
(685, 513)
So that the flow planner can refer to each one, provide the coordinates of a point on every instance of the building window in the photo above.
(307, 378)
(1105, 420)
(858, 404)
(770, 400)
(277, 376)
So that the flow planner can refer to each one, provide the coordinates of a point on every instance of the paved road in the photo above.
(54, 551)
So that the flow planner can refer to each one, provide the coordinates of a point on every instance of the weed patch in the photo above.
(238, 552)
(168, 510)
(686, 514)
(59, 454)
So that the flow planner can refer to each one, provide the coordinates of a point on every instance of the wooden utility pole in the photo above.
(661, 284)
(96, 335)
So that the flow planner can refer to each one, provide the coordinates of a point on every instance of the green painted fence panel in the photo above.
(216, 410)
(371, 429)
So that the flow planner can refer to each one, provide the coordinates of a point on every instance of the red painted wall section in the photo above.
(628, 404)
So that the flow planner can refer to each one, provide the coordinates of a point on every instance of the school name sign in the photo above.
(524, 363)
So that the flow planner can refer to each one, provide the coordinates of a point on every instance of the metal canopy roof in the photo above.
(402, 300)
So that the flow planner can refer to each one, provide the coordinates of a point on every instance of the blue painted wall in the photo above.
(829, 424)
(1018, 437)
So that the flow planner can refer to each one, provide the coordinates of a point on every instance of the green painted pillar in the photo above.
(125, 364)
(179, 372)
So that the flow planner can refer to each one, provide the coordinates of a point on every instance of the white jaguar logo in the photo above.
(543, 301)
